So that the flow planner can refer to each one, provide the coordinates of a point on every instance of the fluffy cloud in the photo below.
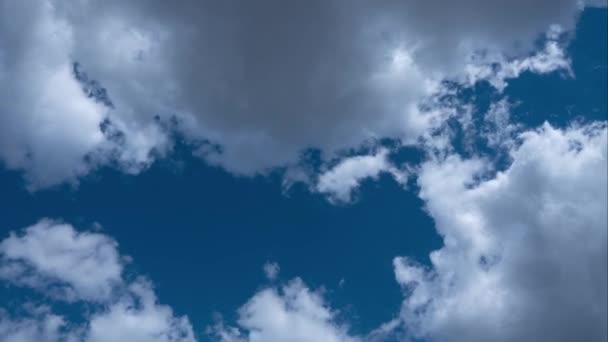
(83, 265)
(340, 181)
(49, 256)
(52, 257)
(138, 318)
(260, 81)
(49, 127)
(526, 245)
(525, 250)
(291, 313)
(47, 123)
(44, 327)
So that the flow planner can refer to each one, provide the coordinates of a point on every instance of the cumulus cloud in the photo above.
(49, 256)
(138, 318)
(526, 245)
(42, 327)
(340, 181)
(86, 266)
(291, 313)
(525, 249)
(47, 123)
(50, 128)
(78, 265)
(258, 81)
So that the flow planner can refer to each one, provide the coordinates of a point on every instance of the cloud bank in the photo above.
(252, 85)
(525, 254)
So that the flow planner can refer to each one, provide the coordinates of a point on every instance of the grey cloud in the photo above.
(263, 80)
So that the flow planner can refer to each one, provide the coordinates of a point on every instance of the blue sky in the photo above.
(161, 192)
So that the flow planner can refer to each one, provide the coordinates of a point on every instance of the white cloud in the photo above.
(47, 124)
(340, 181)
(86, 266)
(327, 75)
(551, 58)
(49, 128)
(525, 251)
(43, 327)
(526, 245)
(292, 313)
(138, 318)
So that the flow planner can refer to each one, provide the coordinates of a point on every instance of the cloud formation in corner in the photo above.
(525, 251)
(79, 266)
(65, 265)
(262, 84)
